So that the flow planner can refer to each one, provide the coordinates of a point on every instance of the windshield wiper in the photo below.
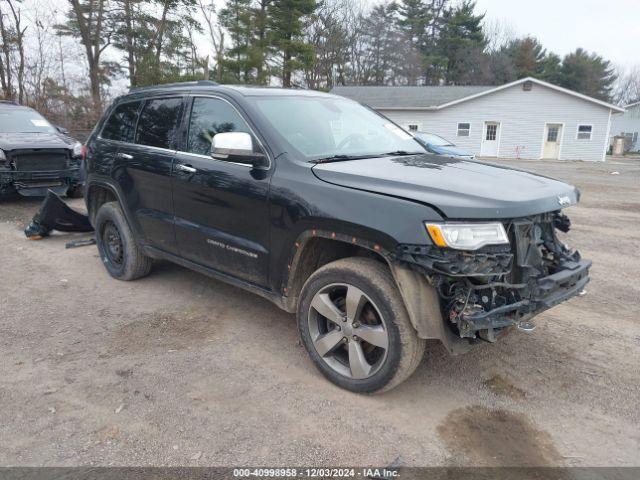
(342, 158)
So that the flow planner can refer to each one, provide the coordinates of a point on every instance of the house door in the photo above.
(490, 139)
(552, 137)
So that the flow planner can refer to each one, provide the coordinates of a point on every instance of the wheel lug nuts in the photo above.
(355, 338)
(345, 339)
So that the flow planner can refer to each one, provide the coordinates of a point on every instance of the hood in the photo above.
(28, 140)
(460, 189)
(450, 150)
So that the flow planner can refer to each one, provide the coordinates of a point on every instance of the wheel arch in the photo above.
(99, 192)
(315, 248)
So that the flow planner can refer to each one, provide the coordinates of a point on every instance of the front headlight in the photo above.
(77, 150)
(3, 157)
(467, 236)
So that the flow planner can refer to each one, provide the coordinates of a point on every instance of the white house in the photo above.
(628, 125)
(527, 118)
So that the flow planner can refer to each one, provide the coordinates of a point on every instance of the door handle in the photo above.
(126, 156)
(185, 168)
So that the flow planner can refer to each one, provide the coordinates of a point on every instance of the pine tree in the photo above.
(587, 73)
(286, 34)
(462, 43)
(238, 19)
(415, 19)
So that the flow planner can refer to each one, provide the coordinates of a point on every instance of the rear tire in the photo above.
(119, 251)
(355, 327)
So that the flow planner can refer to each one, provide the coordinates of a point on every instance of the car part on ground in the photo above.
(54, 214)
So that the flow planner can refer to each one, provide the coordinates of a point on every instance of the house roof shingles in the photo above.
(408, 97)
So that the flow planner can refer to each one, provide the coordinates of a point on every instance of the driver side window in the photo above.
(210, 116)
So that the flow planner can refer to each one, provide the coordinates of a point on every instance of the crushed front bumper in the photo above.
(543, 294)
(36, 183)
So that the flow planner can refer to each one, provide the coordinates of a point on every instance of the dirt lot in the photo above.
(179, 369)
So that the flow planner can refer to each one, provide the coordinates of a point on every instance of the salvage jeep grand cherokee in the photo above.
(333, 212)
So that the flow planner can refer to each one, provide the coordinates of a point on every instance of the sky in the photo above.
(610, 28)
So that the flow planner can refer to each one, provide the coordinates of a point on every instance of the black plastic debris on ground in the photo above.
(54, 214)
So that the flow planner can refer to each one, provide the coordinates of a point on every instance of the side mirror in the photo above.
(237, 147)
(62, 130)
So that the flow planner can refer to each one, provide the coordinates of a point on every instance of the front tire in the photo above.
(119, 251)
(355, 327)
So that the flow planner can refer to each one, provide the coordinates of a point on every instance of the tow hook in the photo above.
(527, 327)
(582, 292)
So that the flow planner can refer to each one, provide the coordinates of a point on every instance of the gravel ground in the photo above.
(179, 369)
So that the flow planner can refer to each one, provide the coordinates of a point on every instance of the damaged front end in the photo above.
(484, 291)
(33, 172)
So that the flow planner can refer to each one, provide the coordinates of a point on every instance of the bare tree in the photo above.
(88, 21)
(626, 90)
(216, 33)
(498, 33)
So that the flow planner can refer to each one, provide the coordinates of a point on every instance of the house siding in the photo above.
(522, 116)
(627, 122)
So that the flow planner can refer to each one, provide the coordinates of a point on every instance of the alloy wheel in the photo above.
(348, 331)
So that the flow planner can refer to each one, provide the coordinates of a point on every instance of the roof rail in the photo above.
(9, 102)
(194, 83)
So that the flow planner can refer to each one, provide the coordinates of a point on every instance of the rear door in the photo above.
(144, 170)
(221, 208)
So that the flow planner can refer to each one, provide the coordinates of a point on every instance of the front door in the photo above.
(221, 208)
(490, 139)
(552, 138)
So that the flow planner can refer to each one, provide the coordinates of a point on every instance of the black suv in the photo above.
(36, 156)
(333, 212)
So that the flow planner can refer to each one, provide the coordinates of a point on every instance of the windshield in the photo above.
(326, 127)
(17, 120)
(432, 139)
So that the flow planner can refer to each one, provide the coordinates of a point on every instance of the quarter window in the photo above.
(121, 125)
(210, 116)
(463, 129)
(159, 123)
(584, 132)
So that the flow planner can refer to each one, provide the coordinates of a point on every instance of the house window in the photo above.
(584, 132)
(414, 127)
(463, 129)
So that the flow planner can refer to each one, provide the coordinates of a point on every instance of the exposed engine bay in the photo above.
(482, 292)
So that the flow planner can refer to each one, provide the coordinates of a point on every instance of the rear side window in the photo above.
(121, 125)
(210, 116)
(159, 123)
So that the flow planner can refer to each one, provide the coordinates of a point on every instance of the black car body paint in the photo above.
(254, 227)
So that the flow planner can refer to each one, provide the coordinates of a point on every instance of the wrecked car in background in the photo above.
(36, 156)
(334, 213)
